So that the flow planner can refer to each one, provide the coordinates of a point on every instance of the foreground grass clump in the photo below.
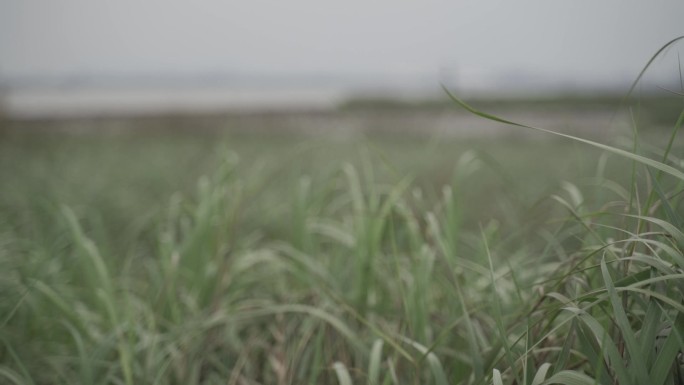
(357, 276)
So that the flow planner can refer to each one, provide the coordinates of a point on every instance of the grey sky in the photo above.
(584, 39)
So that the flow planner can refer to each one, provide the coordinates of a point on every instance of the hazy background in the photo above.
(83, 56)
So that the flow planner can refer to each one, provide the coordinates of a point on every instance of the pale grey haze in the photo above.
(470, 44)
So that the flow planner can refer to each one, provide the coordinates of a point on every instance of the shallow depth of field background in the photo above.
(285, 193)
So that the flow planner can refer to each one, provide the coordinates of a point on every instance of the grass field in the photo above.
(210, 258)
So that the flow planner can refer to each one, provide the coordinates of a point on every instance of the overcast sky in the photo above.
(583, 39)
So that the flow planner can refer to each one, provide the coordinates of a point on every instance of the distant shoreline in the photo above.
(68, 102)
(79, 101)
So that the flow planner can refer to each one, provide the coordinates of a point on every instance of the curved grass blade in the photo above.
(342, 373)
(641, 159)
(314, 312)
(671, 229)
(435, 366)
(648, 65)
(569, 377)
(496, 377)
(541, 374)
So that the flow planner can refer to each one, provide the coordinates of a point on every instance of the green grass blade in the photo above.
(641, 159)
(85, 364)
(498, 316)
(672, 215)
(541, 374)
(318, 360)
(435, 366)
(637, 361)
(100, 273)
(648, 65)
(669, 351)
(375, 361)
(496, 377)
(568, 377)
(607, 346)
(564, 355)
(343, 377)
(671, 229)
(475, 351)
(648, 331)
(590, 348)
